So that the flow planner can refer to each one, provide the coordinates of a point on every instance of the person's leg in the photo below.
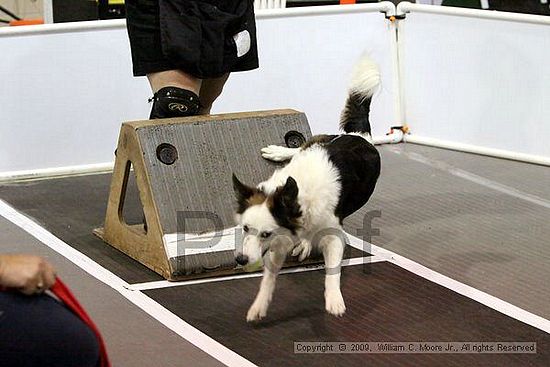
(175, 94)
(209, 91)
(174, 78)
(178, 94)
(39, 331)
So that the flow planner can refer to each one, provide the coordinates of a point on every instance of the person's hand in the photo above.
(26, 273)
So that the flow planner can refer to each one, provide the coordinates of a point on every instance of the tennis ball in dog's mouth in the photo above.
(258, 265)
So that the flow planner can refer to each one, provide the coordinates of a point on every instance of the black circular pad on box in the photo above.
(294, 139)
(167, 153)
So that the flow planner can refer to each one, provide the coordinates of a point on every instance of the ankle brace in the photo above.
(174, 102)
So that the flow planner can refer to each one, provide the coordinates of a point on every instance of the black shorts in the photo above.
(206, 39)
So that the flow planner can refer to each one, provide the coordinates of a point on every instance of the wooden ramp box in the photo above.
(182, 169)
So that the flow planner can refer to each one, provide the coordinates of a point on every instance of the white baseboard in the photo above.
(43, 173)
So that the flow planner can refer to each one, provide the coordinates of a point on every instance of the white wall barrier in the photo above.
(470, 80)
(64, 91)
(476, 80)
(66, 88)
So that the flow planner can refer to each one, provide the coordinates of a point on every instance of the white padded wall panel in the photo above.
(63, 97)
(482, 82)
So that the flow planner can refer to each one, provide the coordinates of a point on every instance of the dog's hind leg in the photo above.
(272, 266)
(333, 250)
(277, 153)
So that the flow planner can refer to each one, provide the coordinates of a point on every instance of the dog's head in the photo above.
(269, 221)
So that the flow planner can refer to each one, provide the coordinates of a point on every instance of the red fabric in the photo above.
(65, 295)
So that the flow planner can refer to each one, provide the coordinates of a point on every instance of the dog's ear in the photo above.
(289, 192)
(243, 194)
(241, 190)
(285, 207)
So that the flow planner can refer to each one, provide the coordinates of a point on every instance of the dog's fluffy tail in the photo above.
(364, 82)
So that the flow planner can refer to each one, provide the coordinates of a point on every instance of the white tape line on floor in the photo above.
(301, 269)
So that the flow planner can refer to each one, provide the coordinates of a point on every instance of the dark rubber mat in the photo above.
(473, 233)
(384, 303)
(72, 207)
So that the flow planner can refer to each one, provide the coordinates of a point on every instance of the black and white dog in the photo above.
(302, 205)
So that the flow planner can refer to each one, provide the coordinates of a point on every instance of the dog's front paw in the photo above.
(256, 312)
(303, 249)
(277, 153)
(334, 303)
